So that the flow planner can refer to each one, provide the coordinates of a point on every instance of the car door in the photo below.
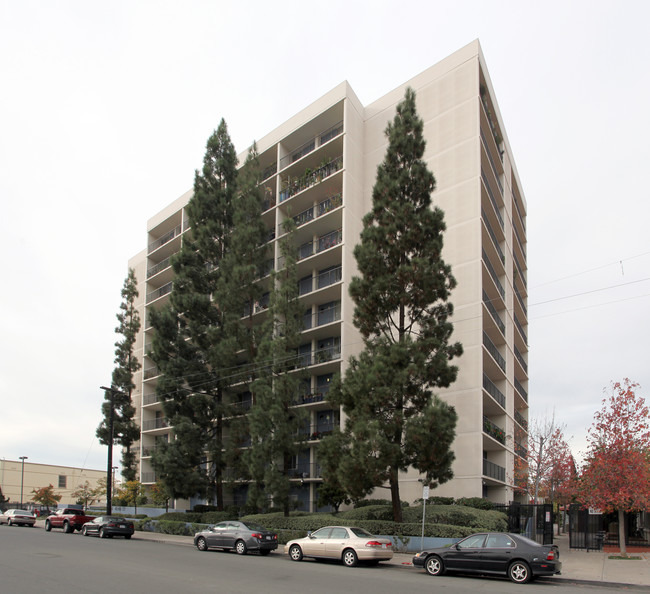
(316, 542)
(497, 553)
(215, 536)
(338, 539)
(230, 534)
(463, 556)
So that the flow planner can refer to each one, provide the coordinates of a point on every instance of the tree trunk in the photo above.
(394, 494)
(621, 532)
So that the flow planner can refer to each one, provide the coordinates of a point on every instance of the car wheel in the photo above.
(265, 552)
(102, 533)
(240, 547)
(48, 526)
(201, 544)
(434, 565)
(295, 552)
(350, 558)
(67, 528)
(10, 522)
(519, 572)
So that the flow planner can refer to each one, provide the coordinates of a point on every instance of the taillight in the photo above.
(373, 543)
(551, 555)
(256, 535)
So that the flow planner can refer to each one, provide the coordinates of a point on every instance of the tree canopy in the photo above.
(402, 311)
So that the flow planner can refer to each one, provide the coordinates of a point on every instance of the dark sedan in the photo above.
(240, 536)
(516, 556)
(108, 527)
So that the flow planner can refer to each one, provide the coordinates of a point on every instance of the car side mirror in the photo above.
(310, 535)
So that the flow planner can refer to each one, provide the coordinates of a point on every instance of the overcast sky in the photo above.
(105, 108)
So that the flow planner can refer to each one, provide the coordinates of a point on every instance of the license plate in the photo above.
(122, 526)
(268, 537)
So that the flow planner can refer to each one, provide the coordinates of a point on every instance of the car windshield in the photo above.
(255, 527)
(114, 519)
(360, 532)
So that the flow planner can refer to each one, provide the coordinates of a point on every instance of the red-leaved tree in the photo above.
(616, 474)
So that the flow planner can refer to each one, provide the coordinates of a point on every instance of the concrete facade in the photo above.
(64, 479)
(478, 189)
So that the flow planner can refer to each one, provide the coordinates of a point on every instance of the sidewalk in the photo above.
(577, 566)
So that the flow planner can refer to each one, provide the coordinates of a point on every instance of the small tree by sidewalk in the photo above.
(616, 474)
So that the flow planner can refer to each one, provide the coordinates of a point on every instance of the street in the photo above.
(32, 560)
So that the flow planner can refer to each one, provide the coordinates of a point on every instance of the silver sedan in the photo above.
(349, 544)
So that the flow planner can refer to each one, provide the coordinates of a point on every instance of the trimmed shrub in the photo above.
(368, 512)
(214, 517)
(477, 502)
(181, 516)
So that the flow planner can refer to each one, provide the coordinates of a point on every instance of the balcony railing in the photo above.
(492, 235)
(494, 430)
(489, 345)
(521, 302)
(492, 199)
(521, 390)
(521, 329)
(149, 477)
(150, 372)
(159, 292)
(150, 399)
(269, 171)
(147, 451)
(152, 424)
(494, 471)
(521, 451)
(492, 390)
(314, 212)
(294, 185)
(520, 419)
(521, 360)
(163, 239)
(326, 315)
(494, 168)
(493, 312)
(311, 144)
(156, 268)
(493, 274)
(306, 471)
(322, 243)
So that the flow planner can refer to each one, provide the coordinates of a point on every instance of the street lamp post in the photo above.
(109, 467)
(22, 478)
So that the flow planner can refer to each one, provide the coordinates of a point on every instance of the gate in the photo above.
(533, 521)
(585, 528)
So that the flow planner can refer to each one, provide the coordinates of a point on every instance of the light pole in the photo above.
(22, 478)
(109, 467)
(114, 469)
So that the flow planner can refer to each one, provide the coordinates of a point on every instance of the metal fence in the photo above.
(533, 521)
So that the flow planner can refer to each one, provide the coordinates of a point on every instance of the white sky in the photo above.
(105, 108)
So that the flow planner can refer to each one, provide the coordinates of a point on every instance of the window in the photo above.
(62, 481)
(339, 533)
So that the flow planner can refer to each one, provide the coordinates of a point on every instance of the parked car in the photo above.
(349, 544)
(516, 556)
(240, 536)
(108, 527)
(19, 517)
(68, 518)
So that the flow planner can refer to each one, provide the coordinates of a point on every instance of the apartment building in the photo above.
(319, 168)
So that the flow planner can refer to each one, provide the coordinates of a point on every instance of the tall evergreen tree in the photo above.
(402, 311)
(277, 427)
(125, 430)
(195, 341)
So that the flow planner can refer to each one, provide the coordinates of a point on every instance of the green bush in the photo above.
(214, 517)
(459, 515)
(367, 502)
(181, 516)
(477, 502)
(368, 512)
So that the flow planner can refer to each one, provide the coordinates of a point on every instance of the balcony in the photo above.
(163, 239)
(306, 471)
(492, 470)
(159, 267)
(494, 431)
(521, 360)
(521, 390)
(159, 423)
(521, 329)
(306, 148)
(492, 390)
(493, 275)
(520, 419)
(493, 312)
(493, 236)
(294, 185)
(150, 372)
(269, 171)
(492, 349)
(492, 200)
(314, 212)
(160, 292)
(521, 451)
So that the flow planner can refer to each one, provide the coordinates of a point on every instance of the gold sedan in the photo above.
(348, 544)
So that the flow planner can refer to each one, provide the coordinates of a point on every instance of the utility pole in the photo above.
(109, 467)
(22, 478)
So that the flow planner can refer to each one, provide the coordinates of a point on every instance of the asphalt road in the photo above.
(34, 561)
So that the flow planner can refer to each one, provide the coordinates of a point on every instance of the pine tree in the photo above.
(125, 430)
(402, 311)
(277, 427)
(195, 341)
